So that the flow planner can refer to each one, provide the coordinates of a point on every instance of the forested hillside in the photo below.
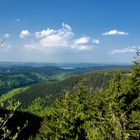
(15, 76)
(12, 81)
(83, 114)
(97, 80)
(92, 106)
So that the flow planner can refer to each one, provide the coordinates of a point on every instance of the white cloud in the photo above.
(82, 40)
(65, 31)
(132, 49)
(66, 26)
(55, 38)
(83, 47)
(115, 32)
(54, 41)
(96, 41)
(45, 33)
(85, 43)
(7, 35)
(63, 38)
(24, 33)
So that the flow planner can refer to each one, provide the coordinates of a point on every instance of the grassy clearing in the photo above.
(12, 93)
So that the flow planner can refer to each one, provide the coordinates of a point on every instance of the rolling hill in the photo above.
(20, 75)
(97, 80)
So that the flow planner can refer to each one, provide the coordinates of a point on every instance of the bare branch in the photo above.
(2, 42)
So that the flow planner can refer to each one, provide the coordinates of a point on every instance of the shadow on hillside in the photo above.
(19, 119)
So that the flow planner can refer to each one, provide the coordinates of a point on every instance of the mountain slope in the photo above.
(97, 80)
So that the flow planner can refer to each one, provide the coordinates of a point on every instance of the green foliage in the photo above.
(12, 93)
(9, 81)
(83, 114)
(122, 106)
(39, 108)
(70, 118)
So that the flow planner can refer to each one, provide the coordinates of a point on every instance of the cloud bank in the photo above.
(63, 38)
(132, 49)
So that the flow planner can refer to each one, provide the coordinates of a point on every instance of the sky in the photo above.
(69, 31)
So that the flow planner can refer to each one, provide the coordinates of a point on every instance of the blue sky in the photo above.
(96, 31)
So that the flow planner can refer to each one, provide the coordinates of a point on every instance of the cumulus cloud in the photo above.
(132, 49)
(54, 41)
(24, 33)
(115, 32)
(65, 31)
(83, 47)
(85, 43)
(55, 38)
(96, 41)
(63, 38)
(66, 26)
(45, 33)
(82, 40)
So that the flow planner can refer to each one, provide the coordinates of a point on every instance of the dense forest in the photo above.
(99, 105)
(20, 75)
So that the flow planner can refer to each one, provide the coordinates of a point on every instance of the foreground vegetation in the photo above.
(83, 114)
(85, 107)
